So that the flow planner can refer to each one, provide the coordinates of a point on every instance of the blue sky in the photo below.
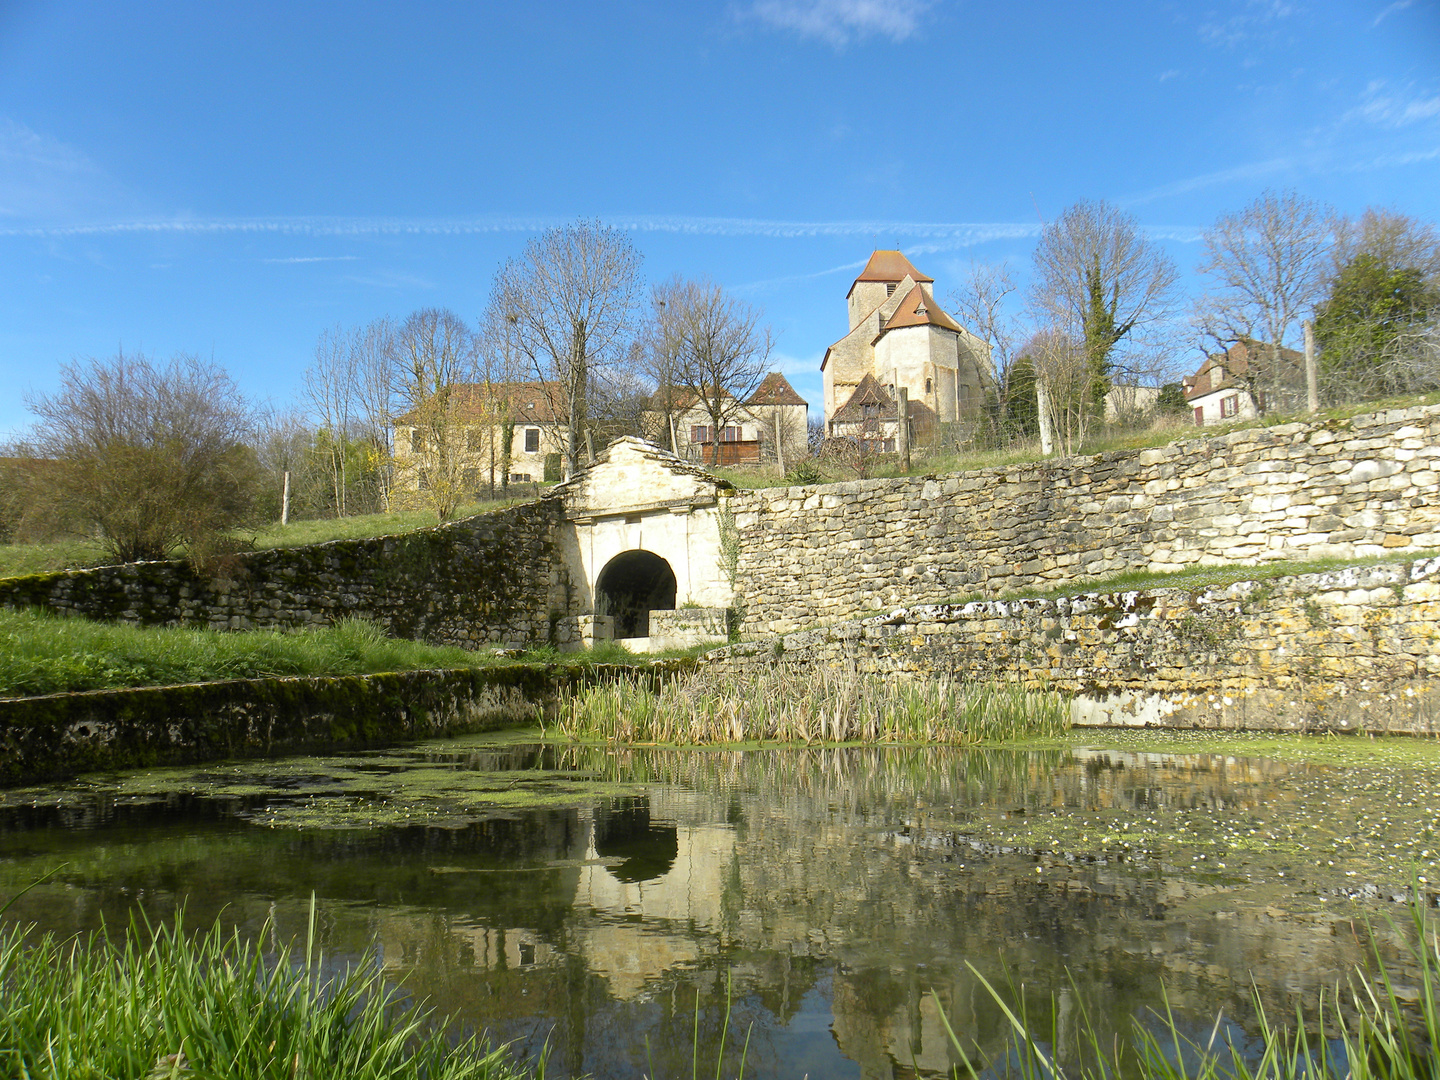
(231, 180)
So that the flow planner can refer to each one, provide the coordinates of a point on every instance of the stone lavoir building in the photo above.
(900, 337)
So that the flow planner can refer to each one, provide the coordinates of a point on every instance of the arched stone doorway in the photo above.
(633, 584)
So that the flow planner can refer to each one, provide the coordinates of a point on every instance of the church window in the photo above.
(889, 289)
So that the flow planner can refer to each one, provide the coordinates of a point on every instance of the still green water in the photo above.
(839, 900)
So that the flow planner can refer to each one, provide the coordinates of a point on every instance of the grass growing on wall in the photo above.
(43, 653)
(810, 706)
(209, 1008)
(1202, 577)
(73, 553)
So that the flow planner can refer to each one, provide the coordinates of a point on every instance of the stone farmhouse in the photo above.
(773, 415)
(900, 337)
(1221, 391)
(485, 417)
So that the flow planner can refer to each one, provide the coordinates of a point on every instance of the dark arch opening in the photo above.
(624, 830)
(633, 584)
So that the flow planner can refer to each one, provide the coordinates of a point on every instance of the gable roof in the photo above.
(775, 389)
(888, 266)
(1228, 370)
(867, 392)
(520, 402)
(915, 310)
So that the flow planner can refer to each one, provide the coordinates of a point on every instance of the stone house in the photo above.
(1242, 382)
(900, 337)
(751, 435)
(485, 419)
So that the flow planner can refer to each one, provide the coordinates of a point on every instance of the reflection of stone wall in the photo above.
(1342, 489)
(1349, 650)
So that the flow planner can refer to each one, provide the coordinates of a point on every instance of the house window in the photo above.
(532, 440)
(474, 439)
(730, 434)
(929, 387)
(520, 478)
(470, 478)
(1229, 406)
(699, 433)
(417, 441)
(422, 483)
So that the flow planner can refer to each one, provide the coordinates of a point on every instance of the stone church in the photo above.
(900, 337)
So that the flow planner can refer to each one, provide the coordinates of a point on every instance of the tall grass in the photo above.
(820, 706)
(1374, 1029)
(209, 1008)
(42, 653)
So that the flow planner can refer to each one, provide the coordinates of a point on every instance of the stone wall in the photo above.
(1350, 488)
(59, 735)
(1351, 650)
(489, 579)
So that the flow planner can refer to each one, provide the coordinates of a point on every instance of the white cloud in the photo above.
(312, 259)
(1166, 76)
(1399, 5)
(41, 177)
(1397, 108)
(944, 234)
(1254, 19)
(838, 22)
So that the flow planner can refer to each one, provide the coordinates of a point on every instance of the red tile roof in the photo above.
(915, 310)
(775, 389)
(888, 266)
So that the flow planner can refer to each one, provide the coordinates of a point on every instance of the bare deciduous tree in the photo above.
(432, 361)
(152, 456)
(982, 302)
(569, 300)
(1063, 368)
(1100, 281)
(660, 360)
(1267, 263)
(347, 393)
(721, 349)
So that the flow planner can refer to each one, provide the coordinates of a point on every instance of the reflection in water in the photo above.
(843, 902)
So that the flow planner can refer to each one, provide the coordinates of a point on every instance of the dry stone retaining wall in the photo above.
(1347, 489)
(490, 579)
(1350, 650)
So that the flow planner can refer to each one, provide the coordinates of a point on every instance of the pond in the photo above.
(843, 905)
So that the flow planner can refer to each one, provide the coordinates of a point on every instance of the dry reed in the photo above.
(784, 704)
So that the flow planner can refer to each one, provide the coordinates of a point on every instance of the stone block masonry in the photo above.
(493, 579)
(1346, 489)
(60, 735)
(1346, 651)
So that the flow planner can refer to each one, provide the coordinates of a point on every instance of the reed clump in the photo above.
(811, 706)
(213, 1008)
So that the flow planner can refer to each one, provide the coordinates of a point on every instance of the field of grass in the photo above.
(213, 1007)
(822, 707)
(46, 654)
(78, 552)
